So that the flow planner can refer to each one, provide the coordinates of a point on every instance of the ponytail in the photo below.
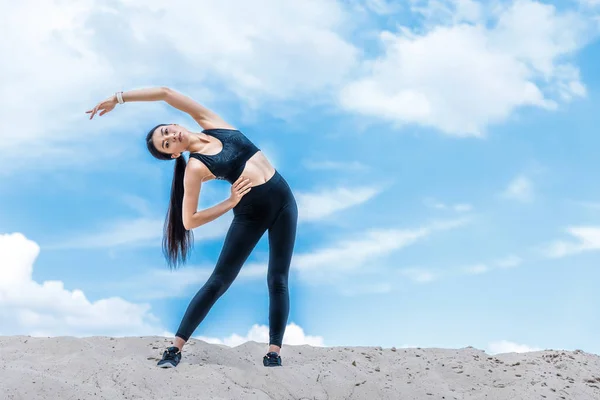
(177, 241)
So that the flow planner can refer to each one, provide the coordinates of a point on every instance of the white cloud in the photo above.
(448, 11)
(589, 3)
(459, 207)
(382, 7)
(420, 275)
(294, 336)
(319, 205)
(357, 289)
(66, 56)
(520, 189)
(335, 165)
(461, 74)
(138, 204)
(161, 283)
(509, 261)
(353, 255)
(504, 346)
(287, 51)
(587, 239)
(589, 204)
(476, 269)
(48, 309)
(136, 232)
(147, 230)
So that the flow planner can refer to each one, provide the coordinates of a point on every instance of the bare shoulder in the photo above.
(196, 172)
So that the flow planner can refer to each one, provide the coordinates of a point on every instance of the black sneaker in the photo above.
(170, 358)
(272, 359)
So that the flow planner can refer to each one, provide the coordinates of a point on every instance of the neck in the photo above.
(198, 141)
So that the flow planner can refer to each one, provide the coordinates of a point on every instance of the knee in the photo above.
(277, 283)
(217, 285)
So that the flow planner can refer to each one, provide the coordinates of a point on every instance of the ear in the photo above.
(176, 155)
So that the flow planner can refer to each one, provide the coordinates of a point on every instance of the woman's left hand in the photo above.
(105, 106)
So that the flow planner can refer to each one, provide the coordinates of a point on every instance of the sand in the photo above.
(69, 368)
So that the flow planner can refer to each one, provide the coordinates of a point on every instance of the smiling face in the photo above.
(171, 139)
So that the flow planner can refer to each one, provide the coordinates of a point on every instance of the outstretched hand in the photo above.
(105, 106)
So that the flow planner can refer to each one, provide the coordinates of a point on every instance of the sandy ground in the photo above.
(70, 368)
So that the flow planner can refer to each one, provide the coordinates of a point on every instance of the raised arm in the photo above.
(206, 118)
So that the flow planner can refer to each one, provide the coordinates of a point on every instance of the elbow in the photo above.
(165, 91)
(190, 223)
(187, 223)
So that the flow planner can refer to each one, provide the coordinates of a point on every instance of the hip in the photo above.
(267, 198)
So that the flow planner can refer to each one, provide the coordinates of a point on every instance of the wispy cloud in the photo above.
(476, 269)
(161, 283)
(136, 203)
(427, 275)
(349, 256)
(335, 165)
(510, 261)
(589, 3)
(519, 189)
(587, 239)
(420, 275)
(381, 7)
(318, 205)
(134, 232)
(359, 289)
(458, 207)
(588, 204)
(148, 230)
(505, 346)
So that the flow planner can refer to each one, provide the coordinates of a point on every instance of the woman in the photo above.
(260, 198)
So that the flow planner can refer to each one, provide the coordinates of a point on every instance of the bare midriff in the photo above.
(258, 169)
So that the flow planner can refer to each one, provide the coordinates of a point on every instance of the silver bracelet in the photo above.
(120, 97)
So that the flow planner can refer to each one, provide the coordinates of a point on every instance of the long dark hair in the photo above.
(177, 241)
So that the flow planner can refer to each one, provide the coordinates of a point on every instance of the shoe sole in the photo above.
(167, 365)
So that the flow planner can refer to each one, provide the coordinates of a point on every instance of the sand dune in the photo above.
(125, 368)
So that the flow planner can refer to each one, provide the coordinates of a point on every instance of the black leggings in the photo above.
(270, 206)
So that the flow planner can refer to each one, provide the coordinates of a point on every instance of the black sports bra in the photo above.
(230, 162)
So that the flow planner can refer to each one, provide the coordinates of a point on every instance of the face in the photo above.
(171, 139)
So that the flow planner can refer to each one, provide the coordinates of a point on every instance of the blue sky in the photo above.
(443, 155)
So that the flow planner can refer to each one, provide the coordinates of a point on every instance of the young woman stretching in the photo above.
(261, 201)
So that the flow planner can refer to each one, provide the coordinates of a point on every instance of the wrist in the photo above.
(118, 98)
(231, 203)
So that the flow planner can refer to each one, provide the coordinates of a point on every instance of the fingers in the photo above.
(242, 193)
(93, 111)
(245, 185)
(241, 187)
(240, 182)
